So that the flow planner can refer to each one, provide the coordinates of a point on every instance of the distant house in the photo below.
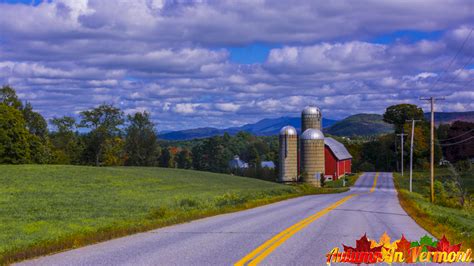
(236, 163)
(267, 164)
(338, 161)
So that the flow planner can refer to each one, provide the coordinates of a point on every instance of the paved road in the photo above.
(226, 239)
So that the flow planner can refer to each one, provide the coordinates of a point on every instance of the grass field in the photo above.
(46, 208)
(444, 217)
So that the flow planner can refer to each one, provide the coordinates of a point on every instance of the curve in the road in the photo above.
(260, 253)
(226, 239)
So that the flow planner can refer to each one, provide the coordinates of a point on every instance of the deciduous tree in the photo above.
(141, 143)
(104, 122)
(14, 146)
(398, 114)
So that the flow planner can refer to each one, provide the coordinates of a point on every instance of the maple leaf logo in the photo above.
(444, 246)
(424, 243)
(386, 245)
(404, 247)
(363, 245)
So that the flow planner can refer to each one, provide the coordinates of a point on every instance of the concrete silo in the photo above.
(311, 118)
(312, 156)
(288, 154)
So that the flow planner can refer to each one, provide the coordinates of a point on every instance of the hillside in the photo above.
(360, 125)
(355, 125)
(46, 208)
(450, 117)
(264, 127)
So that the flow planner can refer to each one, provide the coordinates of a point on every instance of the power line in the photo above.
(455, 137)
(460, 70)
(456, 143)
(454, 58)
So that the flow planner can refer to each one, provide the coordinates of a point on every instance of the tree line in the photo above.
(105, 136)
(111, 139)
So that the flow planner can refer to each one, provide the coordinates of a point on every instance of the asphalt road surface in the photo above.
(298, 231)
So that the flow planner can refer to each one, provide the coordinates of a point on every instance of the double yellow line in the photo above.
(261, 252)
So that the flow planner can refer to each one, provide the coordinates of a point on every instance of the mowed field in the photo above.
(46, 208)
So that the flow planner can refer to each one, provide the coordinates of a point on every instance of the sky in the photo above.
(227, 63)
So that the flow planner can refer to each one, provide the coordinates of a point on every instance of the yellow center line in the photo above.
(375, 183)
(261, 252)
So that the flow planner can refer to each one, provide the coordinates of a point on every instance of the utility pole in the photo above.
(401, 158)
(411, 151)
(432, 102)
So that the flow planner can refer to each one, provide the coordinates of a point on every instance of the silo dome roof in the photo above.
(311, 110)
(312, 133)
(287, 130)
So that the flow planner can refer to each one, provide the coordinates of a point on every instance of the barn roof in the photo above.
(337, 148)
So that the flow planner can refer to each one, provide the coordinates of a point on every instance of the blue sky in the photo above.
(227, 63)
(251, 53)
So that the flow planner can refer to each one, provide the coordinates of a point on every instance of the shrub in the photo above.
(158, 213)
(229, 199)
(188, 203)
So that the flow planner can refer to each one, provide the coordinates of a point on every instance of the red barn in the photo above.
(337, 159)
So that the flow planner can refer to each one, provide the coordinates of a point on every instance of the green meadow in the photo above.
(47, 208)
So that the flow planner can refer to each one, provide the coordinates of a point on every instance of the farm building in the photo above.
(314, 156)
(236, 163)
(267, 164)
(337, 159)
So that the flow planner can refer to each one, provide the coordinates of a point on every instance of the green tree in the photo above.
(141, 143)
(35, 123)
(104, 122)
(8, 97)
(14, 146)
(40, 145)
(167, 158)
(398, 114)
(66, 143)
(184, 159)
(113, 152)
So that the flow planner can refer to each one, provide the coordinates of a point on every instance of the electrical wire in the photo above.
(456, 143)
(455, 137)
(454, 58)
(460, 70)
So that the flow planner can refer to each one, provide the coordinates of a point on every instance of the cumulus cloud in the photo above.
(171, 58)
(227, 107)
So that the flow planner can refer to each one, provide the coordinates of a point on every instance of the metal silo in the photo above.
(312, 156)
(310, 118)
(288, 154)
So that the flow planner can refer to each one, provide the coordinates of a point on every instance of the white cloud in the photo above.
(185, 108)
(227, 107)
(171, 57)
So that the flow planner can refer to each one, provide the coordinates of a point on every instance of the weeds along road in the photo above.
(298, 231)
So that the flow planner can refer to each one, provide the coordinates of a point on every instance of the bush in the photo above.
(229, 199)
(188, 203)
(158, 213)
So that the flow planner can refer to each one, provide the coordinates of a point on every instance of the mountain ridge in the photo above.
(363, 124)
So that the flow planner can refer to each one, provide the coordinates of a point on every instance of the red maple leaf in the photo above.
(362, 245)
(444, 246)
(404, 246)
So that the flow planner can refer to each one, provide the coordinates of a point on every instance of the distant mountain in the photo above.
(195, 133)
(265, 127)
(355, 125)
(360, 125)
(450, 117)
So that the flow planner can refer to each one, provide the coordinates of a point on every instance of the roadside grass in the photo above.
(350, 181)
(49, 208)
(446, 216)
